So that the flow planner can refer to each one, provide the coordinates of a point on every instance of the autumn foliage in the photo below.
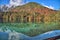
(31, 12)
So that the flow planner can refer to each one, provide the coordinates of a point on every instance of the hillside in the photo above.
(31, 12)
(33, 7)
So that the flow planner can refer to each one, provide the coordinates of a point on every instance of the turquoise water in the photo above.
(28, 31)
(13, 35)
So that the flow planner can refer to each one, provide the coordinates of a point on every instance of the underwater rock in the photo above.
(4, 36)
(19, 36)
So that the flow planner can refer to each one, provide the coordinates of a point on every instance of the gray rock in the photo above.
(19, 36)
(4, 36)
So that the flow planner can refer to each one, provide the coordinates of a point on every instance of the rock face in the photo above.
(3, 8)
(18, 36)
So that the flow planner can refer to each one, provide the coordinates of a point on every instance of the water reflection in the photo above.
(8, 34)
(13, 35)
